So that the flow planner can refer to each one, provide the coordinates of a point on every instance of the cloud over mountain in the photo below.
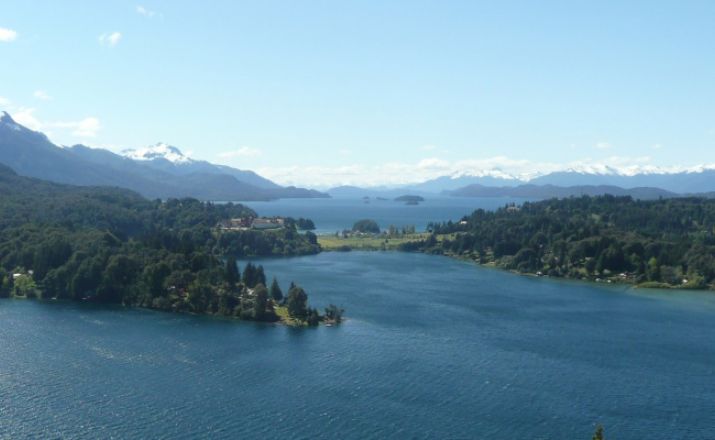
(500, 167)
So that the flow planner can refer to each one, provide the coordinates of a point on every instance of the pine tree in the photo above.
(232, 274)
(297, 303)
(259, 276)
(260, 301)
(249, 275)
(276, 292)
(313, 317)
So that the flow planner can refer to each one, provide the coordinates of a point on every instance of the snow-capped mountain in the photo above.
(158, 151)
(160, 171)
(447, 183)
(682, 180)
(170, 159)
(9, 123)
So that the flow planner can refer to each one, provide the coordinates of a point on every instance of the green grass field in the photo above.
(366, 243)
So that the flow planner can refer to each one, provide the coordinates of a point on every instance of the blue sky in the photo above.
(328, 92)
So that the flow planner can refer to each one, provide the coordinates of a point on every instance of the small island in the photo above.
(410, 199)
(366, 226)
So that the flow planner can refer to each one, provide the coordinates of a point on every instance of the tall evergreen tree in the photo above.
(297, 303)
(260, 301)
(232, 273)
(313, 317)
(276, 292)
(249, 275)
(259, 276)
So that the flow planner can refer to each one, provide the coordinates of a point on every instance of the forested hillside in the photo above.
(655, 243)
(112, 245)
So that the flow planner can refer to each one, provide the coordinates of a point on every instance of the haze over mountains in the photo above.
(651, 184)
(696, 180)
(529, 191)
(160, 171)
(163, 171)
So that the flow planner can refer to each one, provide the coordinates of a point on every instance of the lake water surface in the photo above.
(337, 214)
(433, 348)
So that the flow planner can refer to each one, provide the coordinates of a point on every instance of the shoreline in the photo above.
(283, 318)
(610, 281)
(606, 280)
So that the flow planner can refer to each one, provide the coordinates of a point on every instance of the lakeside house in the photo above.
(16, 276)
(268, 223)
(246, 223)
(236, 224)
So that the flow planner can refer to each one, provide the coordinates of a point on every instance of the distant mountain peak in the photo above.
(494, 172)
(158, 151)
(593, 169)
(6, 120)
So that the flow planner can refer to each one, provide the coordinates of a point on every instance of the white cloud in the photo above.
(4, 101)
(657, 146)
(395, 174)
(345, 152)
(603, 146)
(433, 164)
(428, 147)
(26, 117)
(110, 39)
(141, 10)
(241, 152)
(7, 35)
(87, 127)
(41, 94)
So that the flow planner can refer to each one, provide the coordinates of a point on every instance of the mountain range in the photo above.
(163, 171)
(159, 171)
(550, 191)
(696, 180)
(650, 184)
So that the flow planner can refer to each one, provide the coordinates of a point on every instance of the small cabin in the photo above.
(236, 223)
(268, 223)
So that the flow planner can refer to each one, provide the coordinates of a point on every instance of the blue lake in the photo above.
(331, 215)
(433, 348)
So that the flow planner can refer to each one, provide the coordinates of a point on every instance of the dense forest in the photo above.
(111, 245)
(657, 243)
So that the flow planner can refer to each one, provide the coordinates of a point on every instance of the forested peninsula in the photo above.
(657, 243)
(113, 246)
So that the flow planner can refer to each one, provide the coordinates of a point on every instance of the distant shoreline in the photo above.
(379, 244)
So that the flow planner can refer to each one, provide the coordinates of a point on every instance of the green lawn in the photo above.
(366, 243)
(282, 312)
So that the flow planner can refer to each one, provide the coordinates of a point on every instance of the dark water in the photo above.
(331, 215)
(434, 348)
